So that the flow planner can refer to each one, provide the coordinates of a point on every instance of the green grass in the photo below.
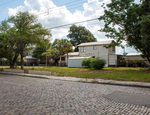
(122, 73)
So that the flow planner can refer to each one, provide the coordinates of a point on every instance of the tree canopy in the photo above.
(79, 34)
(3, 45)
(41, 47)
(126, 20)
(58, 47)
(63, 45)
(23, 32)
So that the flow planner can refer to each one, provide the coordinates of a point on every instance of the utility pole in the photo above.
(46, 58)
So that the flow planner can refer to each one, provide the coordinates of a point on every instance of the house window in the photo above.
(113, 48)
(83, 49)
(26, 53)
(29, 53)
(94, 47)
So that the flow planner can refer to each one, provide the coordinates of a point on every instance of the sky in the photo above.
(53, 13)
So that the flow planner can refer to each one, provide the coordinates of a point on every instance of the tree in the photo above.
(52, 52)
(64, 46)
(79, 34)
(8, 48)
(7, 44)
(25, 32)
(37, 53)
(3, 45)
(40, 48)
(126, 20)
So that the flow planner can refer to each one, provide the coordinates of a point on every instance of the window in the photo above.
(83, 49)
(29, 53)
(26, 53)
(94, 47)
(113, 48)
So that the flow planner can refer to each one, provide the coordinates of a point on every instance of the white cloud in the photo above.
(61, 15)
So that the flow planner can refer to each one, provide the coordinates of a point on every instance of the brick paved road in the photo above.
(32, 96)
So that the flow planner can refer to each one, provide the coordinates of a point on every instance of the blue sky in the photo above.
(4, 5)
(61, 12)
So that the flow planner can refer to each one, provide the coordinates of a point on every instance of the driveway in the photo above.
(32, 96)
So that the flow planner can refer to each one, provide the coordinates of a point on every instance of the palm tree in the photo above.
(64, 46)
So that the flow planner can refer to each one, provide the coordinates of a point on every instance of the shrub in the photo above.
(97, 63)
(86, 62)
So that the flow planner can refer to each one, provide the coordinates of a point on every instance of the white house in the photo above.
(134, 56)
(95, 49)
(70, 54)
(131, 57)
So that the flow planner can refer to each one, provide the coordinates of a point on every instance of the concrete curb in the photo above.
(74, 79)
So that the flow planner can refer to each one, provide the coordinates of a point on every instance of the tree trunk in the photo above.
(147, 55)
(12, 62)
(21, 60)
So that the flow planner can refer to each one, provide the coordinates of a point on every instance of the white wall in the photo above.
(91, 52)
(100, 51)
(75, 62)
(113, 60)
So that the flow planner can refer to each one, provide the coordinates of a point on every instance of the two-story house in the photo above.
(95, 49)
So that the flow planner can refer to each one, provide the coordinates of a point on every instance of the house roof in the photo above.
(134, 54)
(77, 57)
(29, 57)
(106, 42)
(71, 54)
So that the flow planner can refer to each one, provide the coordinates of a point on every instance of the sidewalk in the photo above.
(98, 81)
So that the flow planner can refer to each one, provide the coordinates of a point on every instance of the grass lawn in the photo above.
(120, 73)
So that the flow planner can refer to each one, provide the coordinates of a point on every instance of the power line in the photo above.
(54, 10)
(69, 2)
(73, 23)
(7, 2)
(62, 5)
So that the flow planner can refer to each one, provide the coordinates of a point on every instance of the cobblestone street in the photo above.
(33, 96)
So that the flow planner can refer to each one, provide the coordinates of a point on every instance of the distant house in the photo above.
(136, 60)
(134, 56)
(70, 54)
(30, 61)
(96, 49)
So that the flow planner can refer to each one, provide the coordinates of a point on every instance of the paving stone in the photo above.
(34, 96)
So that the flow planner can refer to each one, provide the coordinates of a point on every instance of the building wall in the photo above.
(99, 51)
(69, 57)
(112, 60)
(111, 50)
(136, 57)
(74, 62)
